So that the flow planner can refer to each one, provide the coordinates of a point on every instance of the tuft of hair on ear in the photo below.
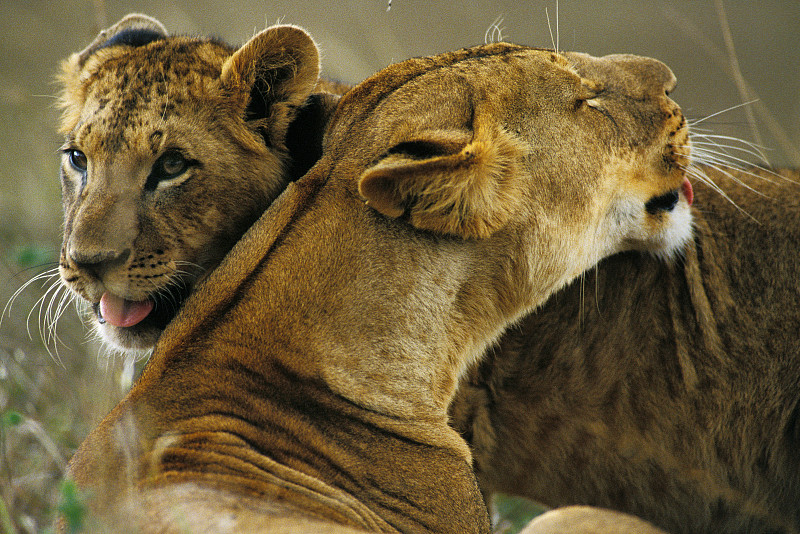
(270, 76)
(132, 30)
(450, 182)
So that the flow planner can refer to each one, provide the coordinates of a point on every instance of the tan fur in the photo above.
(588, 520)
(668, 390)
(304, 385)
(227, 112)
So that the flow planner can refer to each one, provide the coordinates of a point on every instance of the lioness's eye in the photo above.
(77, 159)
(170, 165)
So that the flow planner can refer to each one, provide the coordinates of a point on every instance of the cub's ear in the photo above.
(133, 29)
(270, 76)
(453, 182)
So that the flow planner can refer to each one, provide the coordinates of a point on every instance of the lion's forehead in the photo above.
(136, 93)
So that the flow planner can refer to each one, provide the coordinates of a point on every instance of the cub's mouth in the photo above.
(156, 312)
(669, 200)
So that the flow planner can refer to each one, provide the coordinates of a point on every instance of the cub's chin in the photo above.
(131, 339)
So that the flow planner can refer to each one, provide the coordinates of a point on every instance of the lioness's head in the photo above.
(590, 152)
(174, 146)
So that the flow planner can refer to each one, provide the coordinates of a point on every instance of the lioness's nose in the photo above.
(635, 76)
(652, 75)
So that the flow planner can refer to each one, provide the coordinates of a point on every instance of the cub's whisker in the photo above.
(45, 275)
(53, 315)
(47, 329)
(49, 285)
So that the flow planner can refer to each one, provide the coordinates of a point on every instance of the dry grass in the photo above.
(50, 397)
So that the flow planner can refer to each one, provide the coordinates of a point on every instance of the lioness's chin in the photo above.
(671, 242)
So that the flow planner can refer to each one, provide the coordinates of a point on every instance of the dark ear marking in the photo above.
(133, 37)
(132, 30)
(306, 131)
(418, 150)
(267, 89)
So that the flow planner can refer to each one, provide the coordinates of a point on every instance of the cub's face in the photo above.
(173, 149)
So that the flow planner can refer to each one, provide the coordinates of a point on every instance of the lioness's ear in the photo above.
(453, 182)
(270, 76)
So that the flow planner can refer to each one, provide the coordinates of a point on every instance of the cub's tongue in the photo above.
(688, 192)
(122, 313)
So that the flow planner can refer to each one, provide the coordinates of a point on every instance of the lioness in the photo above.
(666, 390)
(174, 147)
(304, 385)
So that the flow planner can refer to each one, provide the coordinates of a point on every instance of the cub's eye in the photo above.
(170, 165)
(77, 159)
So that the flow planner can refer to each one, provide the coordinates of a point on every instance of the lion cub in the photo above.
(174, 147)
(305, 383)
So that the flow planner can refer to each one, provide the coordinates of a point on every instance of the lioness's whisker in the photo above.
(731, 143)
(700, 174)
(721, 166)
(729, 160)
(695, 122)
(752, 145)
(745, 167)
(725, 148)
(494, 33)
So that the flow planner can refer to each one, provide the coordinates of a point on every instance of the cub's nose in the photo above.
(96, 262)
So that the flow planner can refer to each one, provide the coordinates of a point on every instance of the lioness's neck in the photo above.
(371, 365)
(371, 300)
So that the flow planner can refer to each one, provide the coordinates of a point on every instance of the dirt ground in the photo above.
(53, 391)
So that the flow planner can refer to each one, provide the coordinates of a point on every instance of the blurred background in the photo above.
(52, 391)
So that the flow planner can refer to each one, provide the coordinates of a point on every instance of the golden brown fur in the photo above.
(588, 520)
(174, 146)
(667, 390)
(305, 383)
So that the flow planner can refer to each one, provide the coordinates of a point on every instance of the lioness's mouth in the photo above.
(668, 201)
(155, 312)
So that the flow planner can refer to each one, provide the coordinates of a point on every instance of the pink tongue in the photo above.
(688, 192)
(122, 313)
